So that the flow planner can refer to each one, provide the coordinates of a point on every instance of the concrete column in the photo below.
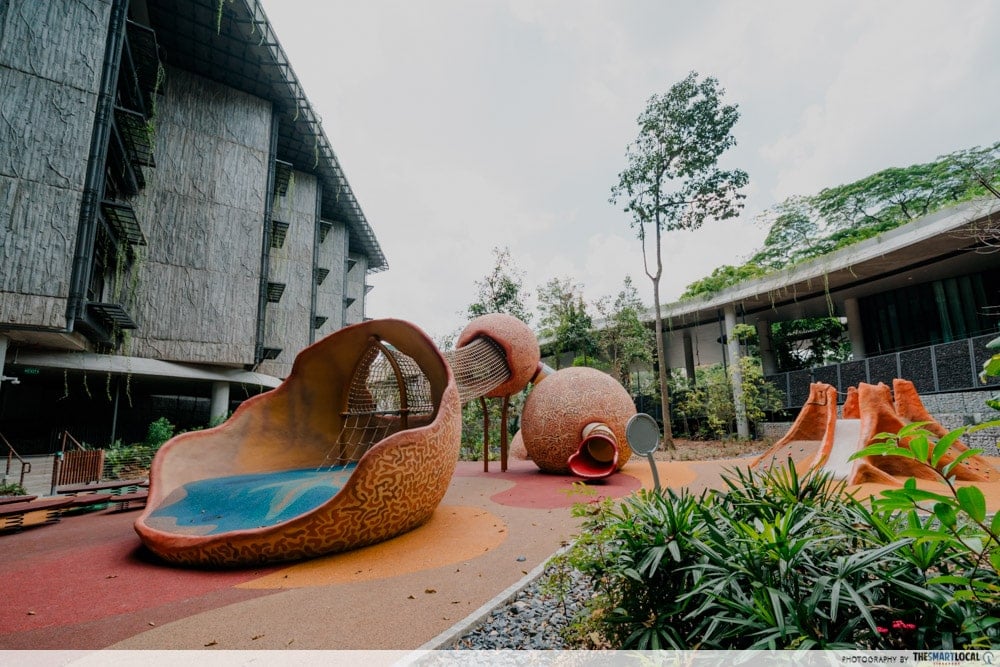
(689, 357)
(733, 346)
(767, 360)
(220, 401)
(855, 330)
(3, 354)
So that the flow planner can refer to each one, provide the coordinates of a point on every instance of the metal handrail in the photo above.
(67, 436)
(11, 455)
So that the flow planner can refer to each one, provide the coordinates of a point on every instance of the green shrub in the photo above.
(159, 432)
(773, 561)
(12, 489)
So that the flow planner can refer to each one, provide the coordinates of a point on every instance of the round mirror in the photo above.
(642, 433)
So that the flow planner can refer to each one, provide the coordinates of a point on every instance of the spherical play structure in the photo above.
(574, 422)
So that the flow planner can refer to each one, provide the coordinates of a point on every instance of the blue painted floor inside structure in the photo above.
(240, 502)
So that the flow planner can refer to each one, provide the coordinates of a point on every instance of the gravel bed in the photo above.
(531, 620)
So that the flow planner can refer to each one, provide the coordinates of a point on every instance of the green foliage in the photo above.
(624, 340)
(955, 522)
(773, 561)
(158, 432)
(672, 181)
(991, 368)
(128, 461)
(12, 489)
(707, 409)
(722, 277)
(809, 342)
(472, 427)
(125, 461)
(501, 290)
(805, 227)
(565, 319)
(590, 362)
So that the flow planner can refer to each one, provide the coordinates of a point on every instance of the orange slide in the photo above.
(819, 439)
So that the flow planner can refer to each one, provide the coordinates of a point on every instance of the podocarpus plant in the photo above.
(774, 560)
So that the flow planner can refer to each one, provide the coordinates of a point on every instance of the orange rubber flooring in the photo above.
(87, 583)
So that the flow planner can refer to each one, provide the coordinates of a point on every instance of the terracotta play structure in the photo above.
(497, 356)
(819, 439)
(356, 446)
(360, 442)
(574, 422)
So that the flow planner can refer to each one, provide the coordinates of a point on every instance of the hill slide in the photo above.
(819, 439)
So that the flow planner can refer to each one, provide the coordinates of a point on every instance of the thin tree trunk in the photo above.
(661, 358)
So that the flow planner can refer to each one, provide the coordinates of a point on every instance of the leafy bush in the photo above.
(707, 410)
(12, 489)
(159, 432)
(127, 461)
(773, 561)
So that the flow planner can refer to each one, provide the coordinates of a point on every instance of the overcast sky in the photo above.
(468, 125)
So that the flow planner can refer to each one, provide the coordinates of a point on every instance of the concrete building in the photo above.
(174, 224)
(920, 302)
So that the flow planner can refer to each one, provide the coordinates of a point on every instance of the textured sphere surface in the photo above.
(519, 345)
(558, 409)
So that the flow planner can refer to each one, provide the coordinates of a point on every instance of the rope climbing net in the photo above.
(390, 393)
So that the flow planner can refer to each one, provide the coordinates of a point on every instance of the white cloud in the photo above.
(468, 125)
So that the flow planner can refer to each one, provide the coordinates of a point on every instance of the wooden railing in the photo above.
(11, 455)
(79, 465)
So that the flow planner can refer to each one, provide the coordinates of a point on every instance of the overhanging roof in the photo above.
(940, 245)
(234, 44)
(138, 366)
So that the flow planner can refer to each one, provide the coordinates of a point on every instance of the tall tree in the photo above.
(672, 181)
(564, 318)
(624, 339)
(501, 290)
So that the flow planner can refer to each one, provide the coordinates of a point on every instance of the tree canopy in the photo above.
(672, 181)
(564, 318)
(501, 290)
(624, 339)
(804, 227)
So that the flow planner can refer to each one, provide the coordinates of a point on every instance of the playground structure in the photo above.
(360, 442)
(820, 440)
(356, 446)
(574, 422)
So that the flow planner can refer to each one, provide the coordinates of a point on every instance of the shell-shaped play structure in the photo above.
(356, 446)
(819, 439)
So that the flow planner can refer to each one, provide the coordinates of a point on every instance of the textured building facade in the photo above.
(174, 224)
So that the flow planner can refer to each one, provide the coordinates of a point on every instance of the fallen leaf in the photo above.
(430, 591)
(31, 613)
(410, 597)
(255, 637)
(151, 624)
(212, 643)
(111, 576)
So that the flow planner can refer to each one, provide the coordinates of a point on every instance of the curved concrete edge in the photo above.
(462, 627)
